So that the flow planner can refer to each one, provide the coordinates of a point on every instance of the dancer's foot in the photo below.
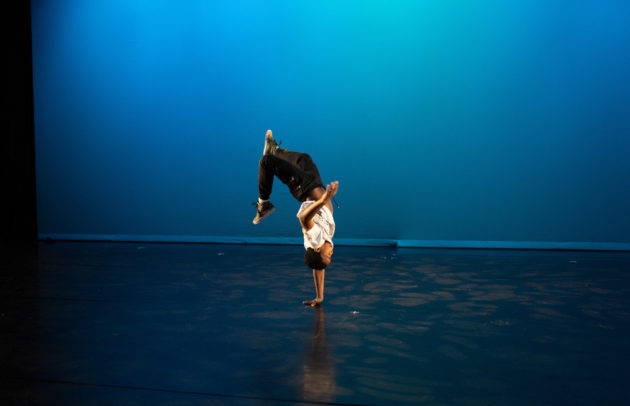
(263, 210)
(270, 144)
(313, 303)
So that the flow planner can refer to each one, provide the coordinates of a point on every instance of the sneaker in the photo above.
(263, 211)
(270, 144)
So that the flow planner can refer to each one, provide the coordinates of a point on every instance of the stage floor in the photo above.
(179, 324)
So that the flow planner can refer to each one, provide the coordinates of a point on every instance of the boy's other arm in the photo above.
(306, 217)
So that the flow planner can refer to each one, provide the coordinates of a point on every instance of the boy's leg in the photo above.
(304, 162)
(270, 166)
(295, 178)
(299, 159)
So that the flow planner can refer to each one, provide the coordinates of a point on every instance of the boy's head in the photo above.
(319, 258)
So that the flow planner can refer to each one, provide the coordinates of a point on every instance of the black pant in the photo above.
(295, 169)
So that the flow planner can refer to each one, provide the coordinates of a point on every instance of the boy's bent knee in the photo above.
(266, 160)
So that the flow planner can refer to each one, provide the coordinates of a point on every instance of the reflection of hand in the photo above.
(331, 190)
(319, 375)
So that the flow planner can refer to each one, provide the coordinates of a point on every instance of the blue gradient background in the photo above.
(442, 120)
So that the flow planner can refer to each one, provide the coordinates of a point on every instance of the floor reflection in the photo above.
(318, 370)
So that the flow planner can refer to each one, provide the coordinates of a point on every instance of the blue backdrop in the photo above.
(442, 120)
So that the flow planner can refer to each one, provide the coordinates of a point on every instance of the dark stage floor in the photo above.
(162, 324)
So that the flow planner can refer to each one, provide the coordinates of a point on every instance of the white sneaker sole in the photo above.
(264, 216)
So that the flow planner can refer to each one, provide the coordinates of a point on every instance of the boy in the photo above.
(298, 171)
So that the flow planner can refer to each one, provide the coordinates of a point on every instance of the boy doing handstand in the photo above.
(298, 171)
